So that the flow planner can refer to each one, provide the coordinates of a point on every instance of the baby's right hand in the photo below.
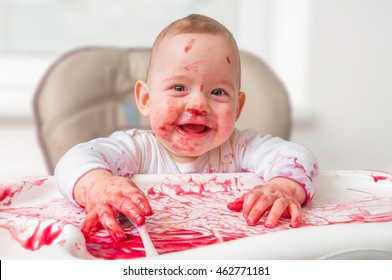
(104, 195)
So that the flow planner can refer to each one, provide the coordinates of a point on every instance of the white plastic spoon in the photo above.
(147, 243)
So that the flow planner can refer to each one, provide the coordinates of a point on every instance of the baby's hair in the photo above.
(193, 23)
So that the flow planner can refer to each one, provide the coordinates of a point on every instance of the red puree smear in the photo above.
(43, 233)
(188, 47)
(188, 214)
(377, 178)
(8, 192)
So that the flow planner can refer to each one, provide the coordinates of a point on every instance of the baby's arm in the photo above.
(96, 176)
(291, 174)
(104, 195)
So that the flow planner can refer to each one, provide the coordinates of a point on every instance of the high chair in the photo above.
(88, 93)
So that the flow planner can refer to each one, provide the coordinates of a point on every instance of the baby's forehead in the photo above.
(179, 46)
(229, 41)
(186, 43)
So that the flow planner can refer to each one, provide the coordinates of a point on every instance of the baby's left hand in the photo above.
(282, 197)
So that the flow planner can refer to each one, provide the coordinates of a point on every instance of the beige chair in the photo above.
(88, 93)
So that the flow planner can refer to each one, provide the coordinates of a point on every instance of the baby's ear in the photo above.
(241, 103)
(142, 97)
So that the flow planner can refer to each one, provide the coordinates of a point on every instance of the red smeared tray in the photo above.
(191, 220)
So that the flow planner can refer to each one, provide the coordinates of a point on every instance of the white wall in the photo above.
(336, 61)
(349, 88)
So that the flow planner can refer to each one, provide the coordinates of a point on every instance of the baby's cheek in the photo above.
(226, 122)
(171, 108)
(165, 116)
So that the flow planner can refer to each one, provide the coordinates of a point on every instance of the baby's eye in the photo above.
(179, 88)
(218, 92)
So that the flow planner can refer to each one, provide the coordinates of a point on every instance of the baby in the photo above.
(192, 97)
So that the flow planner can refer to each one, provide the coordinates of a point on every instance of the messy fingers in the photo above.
(257, 209)
(236, 205)
(295, 212)
(109, 222)
(276, 211)
(250, 200)
(91, 221)
(141, 202)
(130, 209)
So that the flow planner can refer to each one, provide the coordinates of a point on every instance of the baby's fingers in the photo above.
(256, 201)
(132, 210)
(109, 222)
(295, 212)
(236, 205)
(141, 202)
(279, 209)
(254, 209)
(89, 223)
(276, 211)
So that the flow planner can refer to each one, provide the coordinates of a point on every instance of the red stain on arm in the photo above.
(188, 47)
(228, 59)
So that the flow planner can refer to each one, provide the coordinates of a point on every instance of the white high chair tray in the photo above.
(352, 211)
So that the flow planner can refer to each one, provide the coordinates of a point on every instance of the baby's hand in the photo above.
(104, 195)
(282, 197)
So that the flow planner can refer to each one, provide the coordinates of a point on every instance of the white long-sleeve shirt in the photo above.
(125, 153)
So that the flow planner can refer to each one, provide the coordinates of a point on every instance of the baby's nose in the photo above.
(198, 105)
(197, 112)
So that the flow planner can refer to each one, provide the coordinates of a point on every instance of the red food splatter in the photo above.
(188, 47)
(188, 213)
(378, 178)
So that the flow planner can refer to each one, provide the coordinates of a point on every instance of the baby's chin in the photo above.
(185, 154)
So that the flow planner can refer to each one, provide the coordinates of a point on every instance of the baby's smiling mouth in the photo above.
(194, 128)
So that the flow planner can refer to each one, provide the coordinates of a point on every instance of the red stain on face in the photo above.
(188, 47)
(201, 87)
(192, 67)
(228, 59)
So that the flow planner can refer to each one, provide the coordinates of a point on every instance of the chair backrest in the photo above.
(88, 93)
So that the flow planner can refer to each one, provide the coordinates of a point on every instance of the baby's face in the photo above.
(194, 98)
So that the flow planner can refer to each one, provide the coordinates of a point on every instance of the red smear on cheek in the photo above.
(228, 59)
(201, 87)
(188, 47)
(165, 118)
(163, 128)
